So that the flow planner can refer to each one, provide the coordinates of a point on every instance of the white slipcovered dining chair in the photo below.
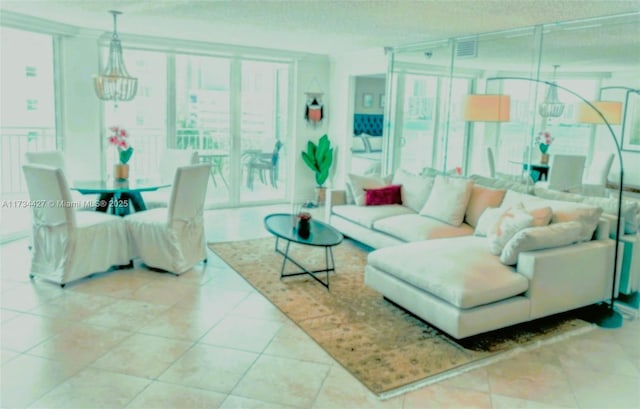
(595, 179)
(56, 159)
(565, 173)
(173, 239)
(170, 161)
(69, 245)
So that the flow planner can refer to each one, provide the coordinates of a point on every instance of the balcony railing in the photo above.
(14, 143)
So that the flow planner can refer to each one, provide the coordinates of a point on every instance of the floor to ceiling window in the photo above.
(144, 117)
(263, 130)
(233, 111)
(27, 107)
(27, 118)
(203, 116)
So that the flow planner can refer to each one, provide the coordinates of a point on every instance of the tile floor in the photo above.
(140, 339)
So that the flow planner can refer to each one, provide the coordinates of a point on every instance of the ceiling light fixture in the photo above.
(552, 107)
(115, 83)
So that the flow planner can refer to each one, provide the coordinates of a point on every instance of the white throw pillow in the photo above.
(448, 200)
(487, 219)
(510, 222)
(538, 238)
(358, 184)
(415, 189)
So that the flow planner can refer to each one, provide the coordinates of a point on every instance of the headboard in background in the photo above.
(368, 123)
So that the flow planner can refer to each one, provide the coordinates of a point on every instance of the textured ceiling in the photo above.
(318, 26)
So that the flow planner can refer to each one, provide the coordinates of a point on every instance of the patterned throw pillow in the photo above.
(510, 222)
(387, 195)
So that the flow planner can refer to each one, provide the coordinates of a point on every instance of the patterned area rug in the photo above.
(386, 348)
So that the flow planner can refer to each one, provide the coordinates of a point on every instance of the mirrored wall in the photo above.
(430, 84)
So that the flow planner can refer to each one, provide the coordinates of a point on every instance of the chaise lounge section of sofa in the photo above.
(447, 271)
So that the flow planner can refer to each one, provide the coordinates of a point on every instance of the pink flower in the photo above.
(113, 140)
(123, 133)
(123, 144)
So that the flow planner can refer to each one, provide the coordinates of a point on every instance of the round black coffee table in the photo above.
(283, 226)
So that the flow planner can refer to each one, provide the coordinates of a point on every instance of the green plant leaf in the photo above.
(311, 162)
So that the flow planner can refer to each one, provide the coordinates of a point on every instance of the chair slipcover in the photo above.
(595, 180)
(68, 245)
(565, 173)
(170, 160)
(56, 159)
(172, 238)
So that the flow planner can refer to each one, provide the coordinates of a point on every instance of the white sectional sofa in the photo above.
(443, 270)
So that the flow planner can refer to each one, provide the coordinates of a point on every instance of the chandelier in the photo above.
(115, 83)
(552, 107)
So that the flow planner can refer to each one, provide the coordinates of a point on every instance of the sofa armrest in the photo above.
(334, 197)
(569, 277)
(603, 229)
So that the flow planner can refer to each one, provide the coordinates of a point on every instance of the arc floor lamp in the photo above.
(610, 317)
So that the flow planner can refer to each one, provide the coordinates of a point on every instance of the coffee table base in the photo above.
(328, 260)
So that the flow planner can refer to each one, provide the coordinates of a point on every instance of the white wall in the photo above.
(310, 73)
(371, 86)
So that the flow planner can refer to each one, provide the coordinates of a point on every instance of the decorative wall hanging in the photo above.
(314, 112)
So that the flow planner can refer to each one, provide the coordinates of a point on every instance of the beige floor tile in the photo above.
(238, 402)
(166, 292)
(476, 380)
(438, 396)
(30, 295)
(341, 390)
(26, 378)
(26, 331)
(213, 298)
(92, 388)
(79, 343)
(232, 332)
(223, 278)
(183, 323)
(283, 381)
(6, 315)
(528, 378)
(291, 342)
(7, 355)
(117, 284)
(506, 402)
(596, 389)
(127, 315)
(211, 368)
(160, 395)
(73, 306)
(144, 356)
(596, 355)
(256, 306)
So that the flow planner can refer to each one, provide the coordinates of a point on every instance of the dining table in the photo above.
(118, 196)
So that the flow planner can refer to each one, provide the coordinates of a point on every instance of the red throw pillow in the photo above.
(383, 196)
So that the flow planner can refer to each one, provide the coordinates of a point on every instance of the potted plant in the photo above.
(544, 140)
(119, 139)
(319, 159)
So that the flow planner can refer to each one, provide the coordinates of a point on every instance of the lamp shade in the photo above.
(487, 108)
(611, 110)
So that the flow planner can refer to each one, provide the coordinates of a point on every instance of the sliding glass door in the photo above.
(263, 131)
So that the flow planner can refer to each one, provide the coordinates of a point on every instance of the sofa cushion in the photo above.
(358, 185)
(415, 188)
(412, 227)
(367, 215)
(482, 198)
(495, 183)
(586, 214)
(512, 220)
(487, 219)
(538, 238)
(387, 195)
(436, 267)
(448, 200)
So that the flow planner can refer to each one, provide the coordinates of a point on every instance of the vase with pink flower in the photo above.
(119, 138)
(544, 141)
